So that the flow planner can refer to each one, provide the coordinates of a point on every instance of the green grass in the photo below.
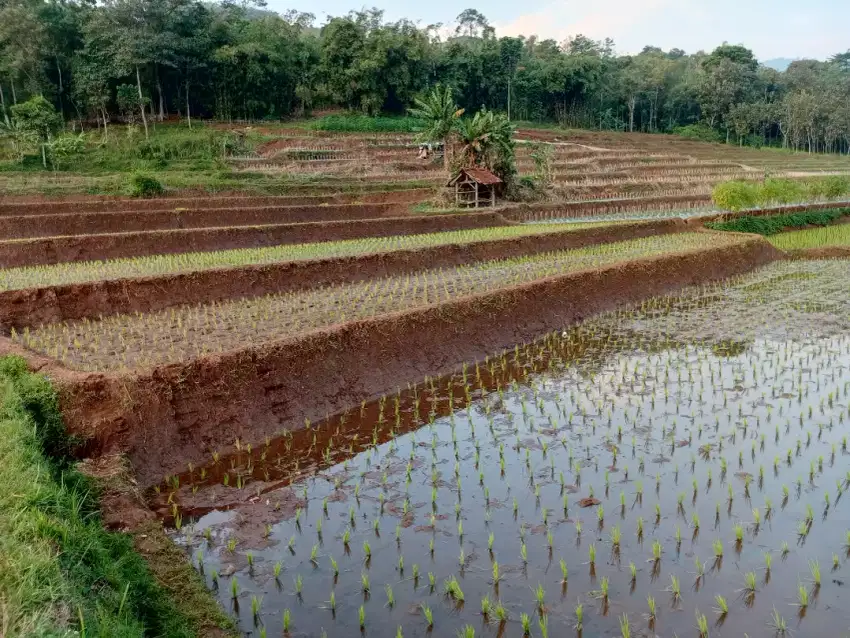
(68, 273)
(838, 235)
(356, 123)
(773, 224)
(61, 573)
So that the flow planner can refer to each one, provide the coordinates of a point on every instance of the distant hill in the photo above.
(780, 64)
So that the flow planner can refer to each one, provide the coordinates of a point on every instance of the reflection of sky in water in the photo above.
(750, 373)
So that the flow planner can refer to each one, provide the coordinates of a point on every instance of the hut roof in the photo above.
(480, 175)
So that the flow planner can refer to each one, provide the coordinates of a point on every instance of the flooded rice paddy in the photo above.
(613, 479)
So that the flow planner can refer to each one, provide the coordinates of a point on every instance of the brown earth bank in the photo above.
(51, 225)
(89, 204)
(176, 414)
(34, 306)
(54, 250)
(821, 252)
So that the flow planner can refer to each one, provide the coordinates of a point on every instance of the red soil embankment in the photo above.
(34, 306)
(62, 224)
(18, 206)
(54, 250)
(170, 416)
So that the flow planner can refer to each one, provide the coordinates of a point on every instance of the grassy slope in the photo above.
(61, 573)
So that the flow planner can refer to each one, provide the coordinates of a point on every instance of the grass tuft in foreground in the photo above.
(62, 573)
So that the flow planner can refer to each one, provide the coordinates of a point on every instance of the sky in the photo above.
(771, 28)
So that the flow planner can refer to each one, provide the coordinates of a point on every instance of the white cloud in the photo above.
(766, 26)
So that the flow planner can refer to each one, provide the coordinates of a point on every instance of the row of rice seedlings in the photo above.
(187, 332)
(838, 235)
(603, 403)
(644, 203)
(78, 272)
(619, 181)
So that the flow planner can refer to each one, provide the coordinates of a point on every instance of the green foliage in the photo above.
(439, 112)
(356, 123)
(772, 224)
(37, 116)
(486, 140)
(739, 195)
(60, 567)
(144, 186)
(698, 132)
(66, 147)
(735, 195)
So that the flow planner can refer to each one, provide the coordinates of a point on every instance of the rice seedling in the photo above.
(625, 630)
(428, 614)
(656, 551)
(802, 597)
(777, 623)
(722, 606)
(540, 597)
(579, 613)
(814, 569)
(650, 603)
(287, 620)
(717, 547)
(675, 588)
(452, 589)
(702, 625)
(361, 617)
(525, 622)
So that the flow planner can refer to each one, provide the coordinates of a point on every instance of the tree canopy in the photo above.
(144, 59)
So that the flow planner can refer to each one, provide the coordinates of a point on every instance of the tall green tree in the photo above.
(441, 115)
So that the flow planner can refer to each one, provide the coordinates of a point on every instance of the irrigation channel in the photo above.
(620, 475)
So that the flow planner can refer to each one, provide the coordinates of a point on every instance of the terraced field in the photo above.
(292, 379)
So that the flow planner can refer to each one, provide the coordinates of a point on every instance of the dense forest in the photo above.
(153, 59)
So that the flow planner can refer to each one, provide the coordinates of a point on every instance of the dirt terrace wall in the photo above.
(19, 206)
(31, 307)
(30, 226)
(53, 250)
(173, 415)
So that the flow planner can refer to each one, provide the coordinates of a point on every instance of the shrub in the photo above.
(780, 191)
(835, 186)
(772, 224)
(699, 132)
(145, 186)
(65, 147)
(735, 195)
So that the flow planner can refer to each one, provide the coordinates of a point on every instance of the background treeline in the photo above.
(148, 60)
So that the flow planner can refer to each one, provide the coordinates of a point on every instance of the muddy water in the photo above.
(710, 404)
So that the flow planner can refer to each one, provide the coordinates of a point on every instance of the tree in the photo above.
(487, 141)
(441, 115)
(472, 24)
(39, 118)
(510, 52)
